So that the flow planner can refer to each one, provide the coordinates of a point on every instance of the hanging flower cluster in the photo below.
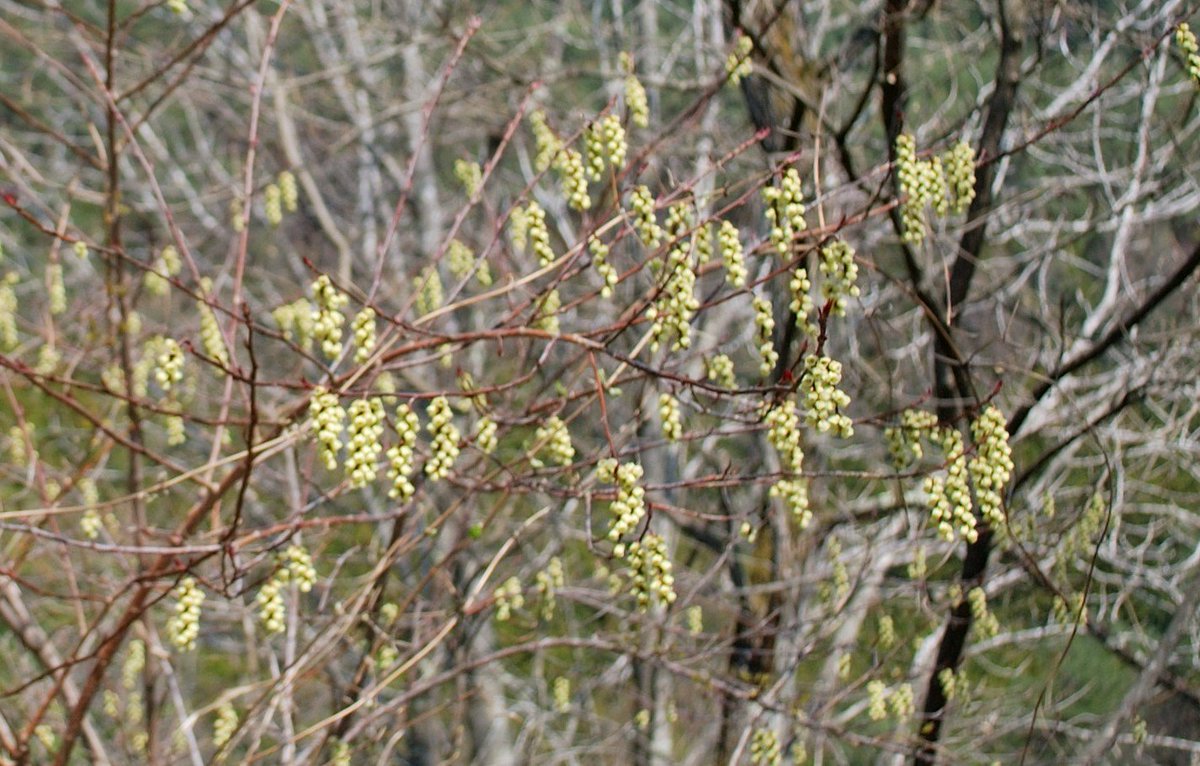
(959, 164)
(166, 265)
(1185, 38)
(729, 240)
(838, 275)
(444, 450)
(363, 329)
(992, 465)
(469, 174)
(548, 582)
(823, 400)
(485, 437)
(539, 234)
(641, 204)
(719, 369)
(57, 289)
(400, 457)
(328, 419)
(553, 440)
(802, 303)
(629, 507)
(548, 145)
(295, 321)
(363, 447)
(783, 432)
(904, 441)
(605, 140)
(431, 292)
(738, 64)
(764, 325)
(547, 312)
(273, 204)
(651, 579)
(509, 598)
(785, 210)
(983, 621)
(168, 362)
(327, 317)
(607, 273)
(288, 192)
(950, 498)
(677, 303)
(271, 609)
(671, 415)
(8, 311)
(225, 725)
(637, 106)
(184, 626)
(295, 565)
(569, 165)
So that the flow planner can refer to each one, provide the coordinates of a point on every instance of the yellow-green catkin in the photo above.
(225, 724)
(824, 402)
(363, 328)
(949, 498)
(671, 415)
(401, 455)
(548, 144)
(56, 288)
(764, 327)
(637, 106)
(992, 465)
(839, 273)
(785, 210)
(548, 307)
(184, 627)
(1185, 38)
(470, 175)
(959, 167)
(641, 204)
(651, 580)
(444, 449)
(327, 317)
(764, 748)
(738, 64)
(210, 331)
(363, 446)
(629, 507)
(676, 304)
(553, 440)
(328, 419)
(273, 204)
(8, 311)
(288, 192)
(539, 233)
(431, 292)
(719, 369)
(607, 273)
(548, 582)
(165, 266)
(509, 598)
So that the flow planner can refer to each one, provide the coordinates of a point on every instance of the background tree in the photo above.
(655, 382)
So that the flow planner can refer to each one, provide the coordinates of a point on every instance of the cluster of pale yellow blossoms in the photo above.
(605, 141)
(293, 565)
(469, 174)
(636, 103)
(729, 240)
(210, 331)
(363, 446)
(431, 293)
(839, 273)
(738, 64)
(672, 312)
(553, 440)
(607, 273)
(225, 724)
(165, 266)
(328, 418)
(641, 204)
(904, 441)
(932, 183)
(184, 626)
(783, 432)
(671, 415)
(629, 507)
(880, 698)
(950, 498)
(764, 748)
(509, 598)
(764, 327)
(363, 328)
(785, 210)
(992, 465)
(327, 317)
(400, 457)
(295, 321)
(548, 582)
(719, 369)
(444, 449)
(168, 361)
(1185, 38)
(650, 572)
(984, 622)
(823, 400)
